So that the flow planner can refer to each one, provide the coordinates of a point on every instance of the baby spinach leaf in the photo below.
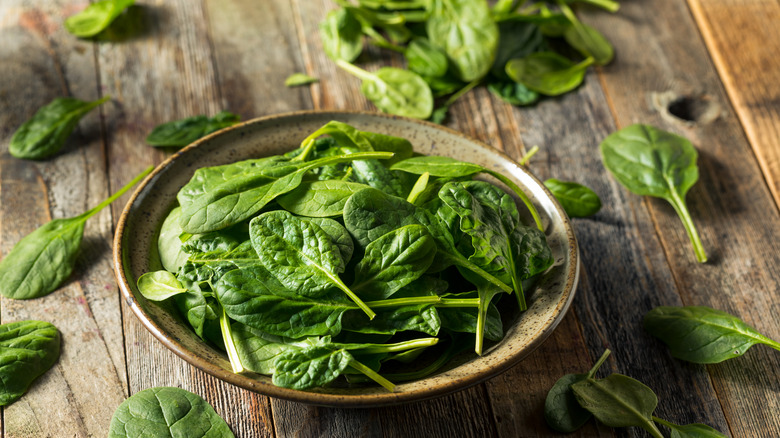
(517, 39)
(513, 93)
(547, 73)
(467, 33)
(167, 411)
(701, 334)
(394, 91)
(27, 350)
(228, 201)
(374, 174)
(618, 401)
(258, 350)
(561, 409)
(393, 261)
(310, 367)
(652, 162)
(179, 133)
(341, 34)
(96, 17)
(319, 198)
(169, 245)
(159, 285)
(311, 261)
(198, 306)
(425, 59)
(43, 259)
(587, 40)
(465, 319)
(576, 199)
(337, 233)
(422, 318)
(695, 430)
(44, 134)
(298, 79)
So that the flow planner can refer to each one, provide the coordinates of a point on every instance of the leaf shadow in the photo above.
(136, 21)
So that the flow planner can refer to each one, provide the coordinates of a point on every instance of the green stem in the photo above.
(682, 210)
(398, 302)
(609, 5)
(373, 375)
(462, 91)
(363, 306)
(458, 302)
(520, 295)
(419, 187)
(598, 363)
(116, 195)
(480, 333)
(400, 346)
(519, 192)
(355, 70)
(527, 157)
(230, 347)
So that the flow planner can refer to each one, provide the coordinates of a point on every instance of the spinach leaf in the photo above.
(44, 134)
(167, 411)
(561, 409)
(576, 199)
(169, 245)
(695, 430)
(337, 233)
(618, 401)
(311, 261)
(513, 93)
(43, 259)
(547, 73)
(159, 285)
(179, 133)
(394, 91)
(393, 261)
(198, 304)
(425, 59)
(298, 79)
(258, 350)
(465, 320)
(27, 350)
(374, 174)
(319, 198)
(96, 17)
(518, 39)
(701, 334)
(652, 162)
(228, 201)
(467, 33)
(341, 34)
(587, 40)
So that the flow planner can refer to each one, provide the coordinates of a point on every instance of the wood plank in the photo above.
(166, 72)
(743, 39)
(42, 61)
(731, 206)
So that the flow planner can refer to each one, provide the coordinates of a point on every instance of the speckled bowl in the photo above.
(136, 236)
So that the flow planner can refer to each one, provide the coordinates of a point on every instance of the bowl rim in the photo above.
(321, 398)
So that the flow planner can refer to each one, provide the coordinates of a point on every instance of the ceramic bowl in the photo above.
(137, 231)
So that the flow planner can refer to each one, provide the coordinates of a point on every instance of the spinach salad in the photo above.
(349, 256)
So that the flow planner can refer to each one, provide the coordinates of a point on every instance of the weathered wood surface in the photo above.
(194, 57)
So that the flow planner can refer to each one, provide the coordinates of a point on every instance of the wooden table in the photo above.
(705, 69)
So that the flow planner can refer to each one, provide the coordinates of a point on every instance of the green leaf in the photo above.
(695, 430)
(27, 350)
(425, 59)
(467, 33)
(43, 259)
(258, 350)
(341, 34)
(513, 93)
(319, 198)
(159, 285)
(443, 167)
(587, 40)
(44, 134)
(518, 39)
(169, 245)
(561, 409)
(310, 367)
(547, 73)
(652, 162)
(701, 334)
(393, 261)
(576, 199)
(167, 412)
(96, 17)
(618, 401)
(298, 79)
(395, 91)
(179, 133)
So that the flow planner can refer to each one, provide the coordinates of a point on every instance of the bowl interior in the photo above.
(136, 242)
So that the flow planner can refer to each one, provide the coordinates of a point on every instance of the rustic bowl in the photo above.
(135, 252)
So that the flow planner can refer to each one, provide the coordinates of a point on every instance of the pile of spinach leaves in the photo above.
(346, 256)
(520, 50)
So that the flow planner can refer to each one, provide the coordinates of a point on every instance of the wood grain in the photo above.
(731, 206)
(743, 39)
(41, 62)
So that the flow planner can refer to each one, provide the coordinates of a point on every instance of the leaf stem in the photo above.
(682, 210)
(458, 302)
(119, 193)
(373, 375)
(230, 347)
(527, 157)
(356, 299)
(400, 346)
(598, 363)
(521, 194)
(355, 70)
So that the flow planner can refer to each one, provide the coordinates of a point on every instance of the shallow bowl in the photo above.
(138, 228)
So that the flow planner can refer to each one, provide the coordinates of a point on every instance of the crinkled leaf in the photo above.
(310, 367)
(319, 198)
(27, 350)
